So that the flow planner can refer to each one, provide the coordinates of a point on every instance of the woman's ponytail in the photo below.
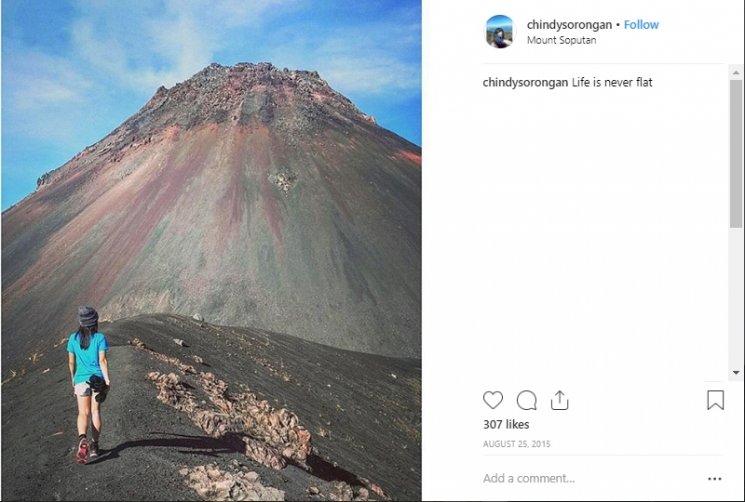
(85, 334)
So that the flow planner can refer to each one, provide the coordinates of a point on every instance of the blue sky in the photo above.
(73, 70)
(500, 21)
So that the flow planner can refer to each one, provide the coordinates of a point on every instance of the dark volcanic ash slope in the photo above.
(252, 195)
(361, 410)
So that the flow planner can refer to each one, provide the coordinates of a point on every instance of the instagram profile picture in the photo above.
(499, 32)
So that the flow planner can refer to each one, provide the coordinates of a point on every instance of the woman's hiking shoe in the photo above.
(83, 452)
(93, 453)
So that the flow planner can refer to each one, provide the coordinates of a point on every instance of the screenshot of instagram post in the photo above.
(375, 250)
(582, 250)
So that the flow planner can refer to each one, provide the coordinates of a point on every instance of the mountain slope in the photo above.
(252, 195)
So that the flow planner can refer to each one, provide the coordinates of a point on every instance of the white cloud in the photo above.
(38, 81)
(231, 13)
(105, 55)
(146, 48)
(156, 56)
(43, 95)
(184, 43)
(173, 39)
(377, 58)
(370, 75)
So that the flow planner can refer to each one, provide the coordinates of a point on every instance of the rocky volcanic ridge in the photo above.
(212, 483)
(270, 435)
(266, 435)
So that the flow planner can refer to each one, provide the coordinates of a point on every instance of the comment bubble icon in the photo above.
(527, 400)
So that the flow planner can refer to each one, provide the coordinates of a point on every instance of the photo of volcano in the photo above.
(252, 242)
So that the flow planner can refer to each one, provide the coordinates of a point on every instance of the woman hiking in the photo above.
(89, 371)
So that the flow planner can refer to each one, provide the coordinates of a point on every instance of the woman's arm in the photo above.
(104, 366)
(71, 365)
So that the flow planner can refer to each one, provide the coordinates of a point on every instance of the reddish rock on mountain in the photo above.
(255, 196)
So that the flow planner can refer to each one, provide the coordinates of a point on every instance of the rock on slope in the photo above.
(362, 412)
(256, 196)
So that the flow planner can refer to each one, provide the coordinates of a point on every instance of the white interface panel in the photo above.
(583, 250)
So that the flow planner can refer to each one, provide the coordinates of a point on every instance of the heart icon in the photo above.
(493, 399)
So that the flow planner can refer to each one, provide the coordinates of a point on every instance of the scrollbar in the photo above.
(736, 252)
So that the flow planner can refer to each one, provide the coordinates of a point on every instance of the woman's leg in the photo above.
(84, 409)
(96, 418)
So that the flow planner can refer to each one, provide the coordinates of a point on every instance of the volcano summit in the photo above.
(252, 195)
